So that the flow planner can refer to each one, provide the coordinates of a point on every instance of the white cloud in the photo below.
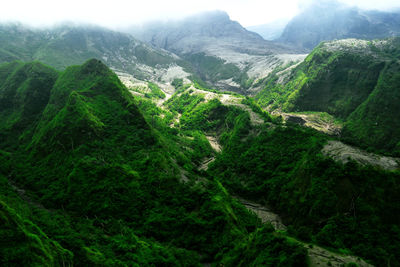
(374, 4)
(122, 12)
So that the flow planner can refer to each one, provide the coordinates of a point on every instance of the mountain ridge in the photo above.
(340, 78)
(148, 163)
(331, 20)
(214, 39)
(64, 45)
(93, 174)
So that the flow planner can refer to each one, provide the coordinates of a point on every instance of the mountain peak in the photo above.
(190, 33)
(210, 16)
(94, 66)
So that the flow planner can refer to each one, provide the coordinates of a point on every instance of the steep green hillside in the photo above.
(90, 180)
(91, 175)
(23, 242)
(375, 123)
(321, 201)
(24, 93)
(345, 207)
(347, 79)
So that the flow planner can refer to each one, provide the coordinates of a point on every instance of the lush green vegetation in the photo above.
(335, 82)
(264, 248)
(375, 122)
(25, 91)
(322, 201)
(358, 87)
(92, 175)
(104, 184)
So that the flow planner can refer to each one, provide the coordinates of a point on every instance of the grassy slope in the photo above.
(103, 183)
(375, 123)
(25, 91)
(321, 201)
(349, 84)
(345, 207)
(264, 246)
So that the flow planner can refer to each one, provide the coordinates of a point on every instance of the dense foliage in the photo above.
(353, 84)
(322, 201)
(375, 123)
(91, 174)
(93, 181)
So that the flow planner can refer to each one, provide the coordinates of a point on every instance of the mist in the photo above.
(119, 13)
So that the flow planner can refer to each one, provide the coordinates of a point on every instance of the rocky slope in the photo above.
(236, 57)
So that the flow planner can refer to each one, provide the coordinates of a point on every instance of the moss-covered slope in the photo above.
(97, 179)
(354, 80)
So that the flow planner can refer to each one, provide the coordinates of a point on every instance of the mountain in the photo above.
(69, 44)
(353, 80)
(270, 31)
(92, 175)
(186, 36)
(277, 168)
(87, 180)
(136, 157)
(330, 20)
(222, 52)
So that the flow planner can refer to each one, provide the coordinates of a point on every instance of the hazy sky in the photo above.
(113, 13)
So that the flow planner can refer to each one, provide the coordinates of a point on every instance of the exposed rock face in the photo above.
(245, 56)
(265, 213)
(344, 153)
(328, 20)
(187, 36)
(322, 122)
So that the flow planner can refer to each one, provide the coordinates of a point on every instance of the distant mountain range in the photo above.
(329, 20)
(67, 45)
(209, 46)
(193, 34)
(212, 39)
